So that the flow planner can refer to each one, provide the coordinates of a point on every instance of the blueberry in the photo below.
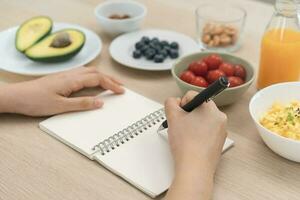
(150, 54)
(167, 49)
(145, 39)
(137, 54)
(152, 44)
(161, 46)
(174, 45)
(157, 48)
(154, 40)
(139, 45)
(163, 52)
(152, 49)
(144, 49)
(158, 58)
(164, 43)
(173, 53)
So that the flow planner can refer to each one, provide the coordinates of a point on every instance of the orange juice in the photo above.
(280, 57)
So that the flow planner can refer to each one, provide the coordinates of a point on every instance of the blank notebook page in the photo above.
(144, 161)
(83, 130)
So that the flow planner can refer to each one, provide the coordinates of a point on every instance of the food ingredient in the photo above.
(32, 31)
(283, 119)
(58, 46)
(155, 50)
(219, 35)
(117, 16)
(205, 71)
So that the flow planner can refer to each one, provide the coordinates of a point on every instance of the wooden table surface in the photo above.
(33, 165)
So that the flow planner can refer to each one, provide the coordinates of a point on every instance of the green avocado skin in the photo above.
(38, 40)
(55, 59)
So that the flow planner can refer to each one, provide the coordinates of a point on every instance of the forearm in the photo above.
(7, 98)
(192, 182)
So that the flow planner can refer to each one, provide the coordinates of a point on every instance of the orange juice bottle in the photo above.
(280, 46)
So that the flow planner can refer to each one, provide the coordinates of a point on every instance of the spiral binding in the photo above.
(114, 141)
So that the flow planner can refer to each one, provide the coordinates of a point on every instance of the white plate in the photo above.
(13, 61)
(122, 47)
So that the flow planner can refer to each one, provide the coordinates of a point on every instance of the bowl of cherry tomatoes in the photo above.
(198, 70)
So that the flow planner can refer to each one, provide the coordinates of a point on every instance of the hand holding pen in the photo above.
(204, 96)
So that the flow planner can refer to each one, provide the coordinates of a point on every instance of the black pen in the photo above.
(204, 96)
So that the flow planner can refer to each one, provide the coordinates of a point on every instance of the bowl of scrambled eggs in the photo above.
(276, 113)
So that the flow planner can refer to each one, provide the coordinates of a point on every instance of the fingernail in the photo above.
(98, 103)
(122, 90)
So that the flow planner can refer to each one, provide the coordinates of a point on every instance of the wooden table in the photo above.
(35, 166)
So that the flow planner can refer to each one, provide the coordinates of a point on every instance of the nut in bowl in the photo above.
(281, 133)
(196, 71)
(220, 26)
(219, 35)
(117, 17)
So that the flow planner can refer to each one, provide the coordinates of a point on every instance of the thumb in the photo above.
(82, 103)
(172, 108)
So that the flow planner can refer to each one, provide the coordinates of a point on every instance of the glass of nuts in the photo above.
(220, 26)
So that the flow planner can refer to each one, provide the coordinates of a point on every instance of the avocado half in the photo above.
(45, 51)
(32, 31)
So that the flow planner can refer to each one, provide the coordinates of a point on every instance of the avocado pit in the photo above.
(61, 40)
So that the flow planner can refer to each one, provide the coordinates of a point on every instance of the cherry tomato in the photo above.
(199, 81)
(235, 81)
(240, 71)
(214, 75)
(187, 76)
(213, 61)
(199, 68)
(227, 68)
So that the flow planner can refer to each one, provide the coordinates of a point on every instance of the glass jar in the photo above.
(220, 26)
(280, 46)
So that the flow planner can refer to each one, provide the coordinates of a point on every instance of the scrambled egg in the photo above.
(283, 119)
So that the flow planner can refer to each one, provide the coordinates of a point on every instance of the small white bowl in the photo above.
(114, 27)
(261, 102)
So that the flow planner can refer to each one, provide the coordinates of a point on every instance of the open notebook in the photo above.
(122, 136)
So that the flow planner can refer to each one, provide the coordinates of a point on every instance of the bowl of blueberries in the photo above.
(155, 50)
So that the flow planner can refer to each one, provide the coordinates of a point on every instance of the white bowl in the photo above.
(260, 102)
(114, 27)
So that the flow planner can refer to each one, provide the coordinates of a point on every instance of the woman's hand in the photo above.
(196, 141)
(196, 135)
(49, 95)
